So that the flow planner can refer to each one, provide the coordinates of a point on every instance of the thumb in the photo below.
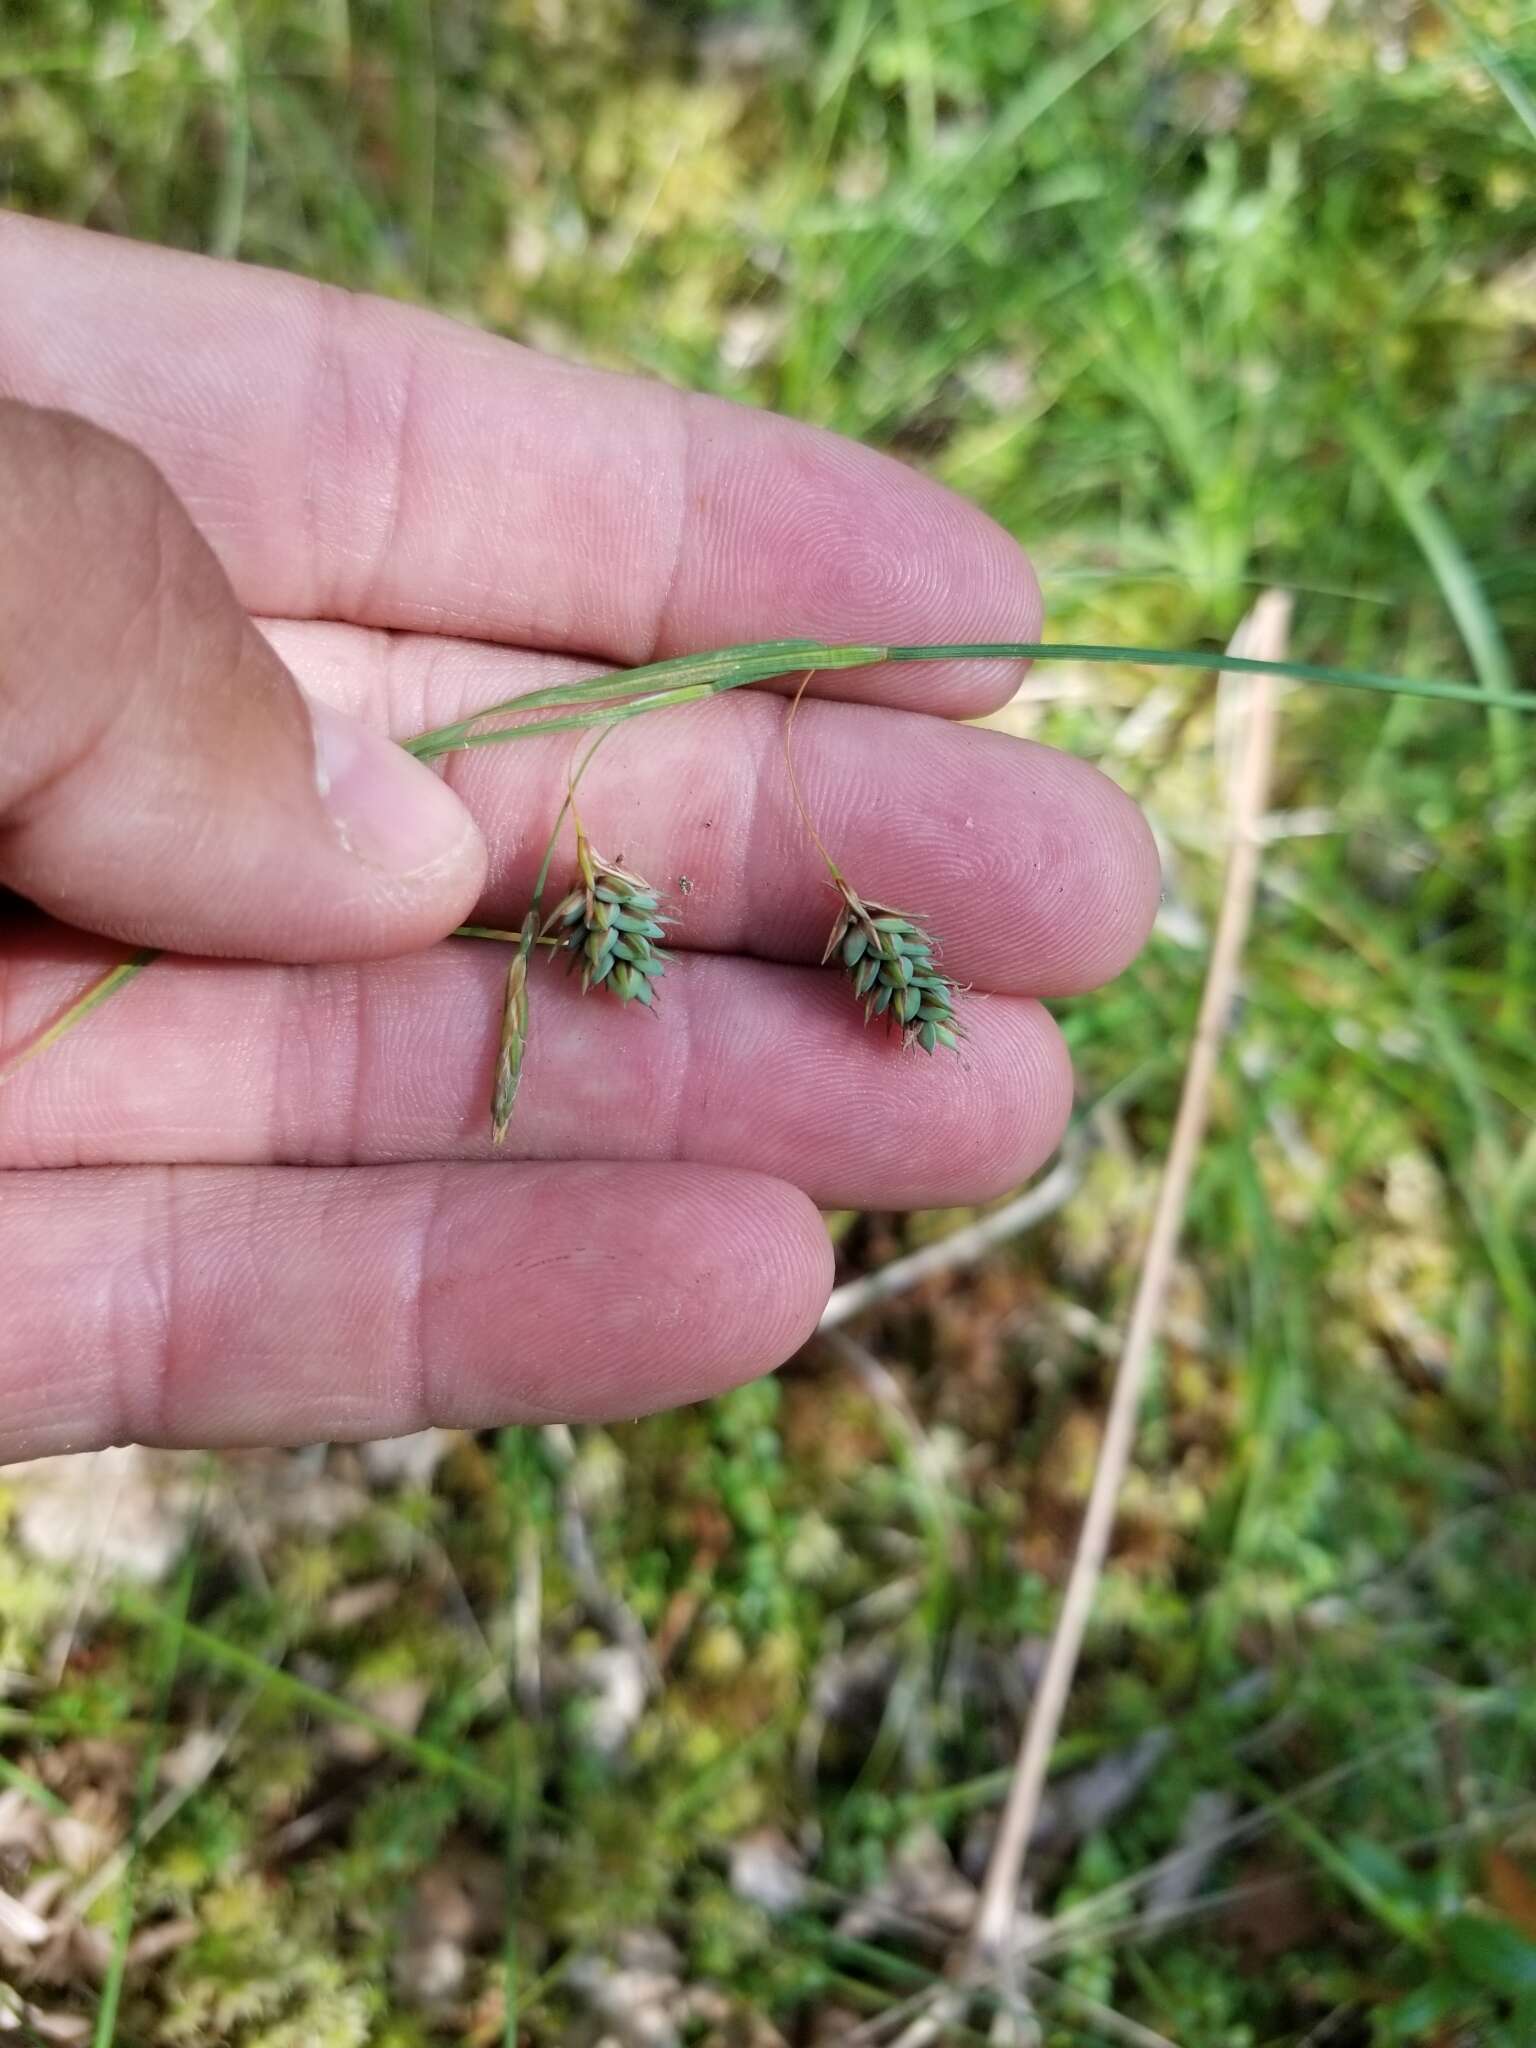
(162, 779)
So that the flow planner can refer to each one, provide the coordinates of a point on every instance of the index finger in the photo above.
(351, 458)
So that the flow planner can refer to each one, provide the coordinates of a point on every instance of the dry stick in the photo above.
(1265, 628)
(103, 1512)
(883, 1388)
(527, 1630)
(991, 1934)
(960, 1247)
(605, 1606)
(1114, 2026)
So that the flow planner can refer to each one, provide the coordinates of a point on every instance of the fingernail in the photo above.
(387, 808)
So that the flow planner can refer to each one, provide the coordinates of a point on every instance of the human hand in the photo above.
(261, 1205)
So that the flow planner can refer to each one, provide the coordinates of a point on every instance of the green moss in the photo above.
(1128, 285)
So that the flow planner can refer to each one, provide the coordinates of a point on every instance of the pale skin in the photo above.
(253, 1200)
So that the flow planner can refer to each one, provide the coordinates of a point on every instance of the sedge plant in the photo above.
(608, 926)
(890, 960)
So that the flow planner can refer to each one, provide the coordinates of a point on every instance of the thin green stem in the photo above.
(530, 926)
(721, 668)
(172, 1642)
(209, 1648)
(514, 1016)
(794, 783)
(100, 991)
(583, 844)
(1171, 657)
(692, 677)
(30, 1787)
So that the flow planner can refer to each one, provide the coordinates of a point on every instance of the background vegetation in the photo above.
(696, 1731)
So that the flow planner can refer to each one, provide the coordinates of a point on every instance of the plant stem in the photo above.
(997, 1901)
(1172, 657)
(99, 992)
(514, 1016)
(794, 784)
(688, 678)
(692, 677)
(568, 805)
(702, 674)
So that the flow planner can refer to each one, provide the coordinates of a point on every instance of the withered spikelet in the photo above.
(514, 1037)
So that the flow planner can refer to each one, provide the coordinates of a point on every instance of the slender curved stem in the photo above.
(794, 783)
(1174, 657)
(629, 693)
(99, 992)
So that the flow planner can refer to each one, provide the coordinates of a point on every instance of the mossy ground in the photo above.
(1196, 300)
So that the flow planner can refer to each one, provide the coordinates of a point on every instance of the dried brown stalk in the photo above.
(1262, 633)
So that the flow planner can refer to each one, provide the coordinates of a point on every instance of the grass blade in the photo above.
(721, 667)
(1509, 698)
(696, 676)
(171, 1644)
(1492, 59)
(30, 1787)
(213, 1649)
(99, 992)
(1484, 642)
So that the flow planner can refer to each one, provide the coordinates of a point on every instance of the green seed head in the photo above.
(889, 960)
(608, 927)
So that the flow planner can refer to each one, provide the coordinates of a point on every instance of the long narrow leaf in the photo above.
(172, 1641)
(1485, 644)
(213, 1649)
(99, 992)
(695, 677)
(685, 679)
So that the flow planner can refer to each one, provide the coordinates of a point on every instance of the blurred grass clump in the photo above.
(697, 1731)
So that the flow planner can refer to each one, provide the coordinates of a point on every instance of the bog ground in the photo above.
(697, 1731)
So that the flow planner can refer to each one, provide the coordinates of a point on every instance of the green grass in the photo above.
(1196, 301)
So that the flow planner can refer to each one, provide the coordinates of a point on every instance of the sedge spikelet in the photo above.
(609, 927)
(889, 959)
(514, 1035)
